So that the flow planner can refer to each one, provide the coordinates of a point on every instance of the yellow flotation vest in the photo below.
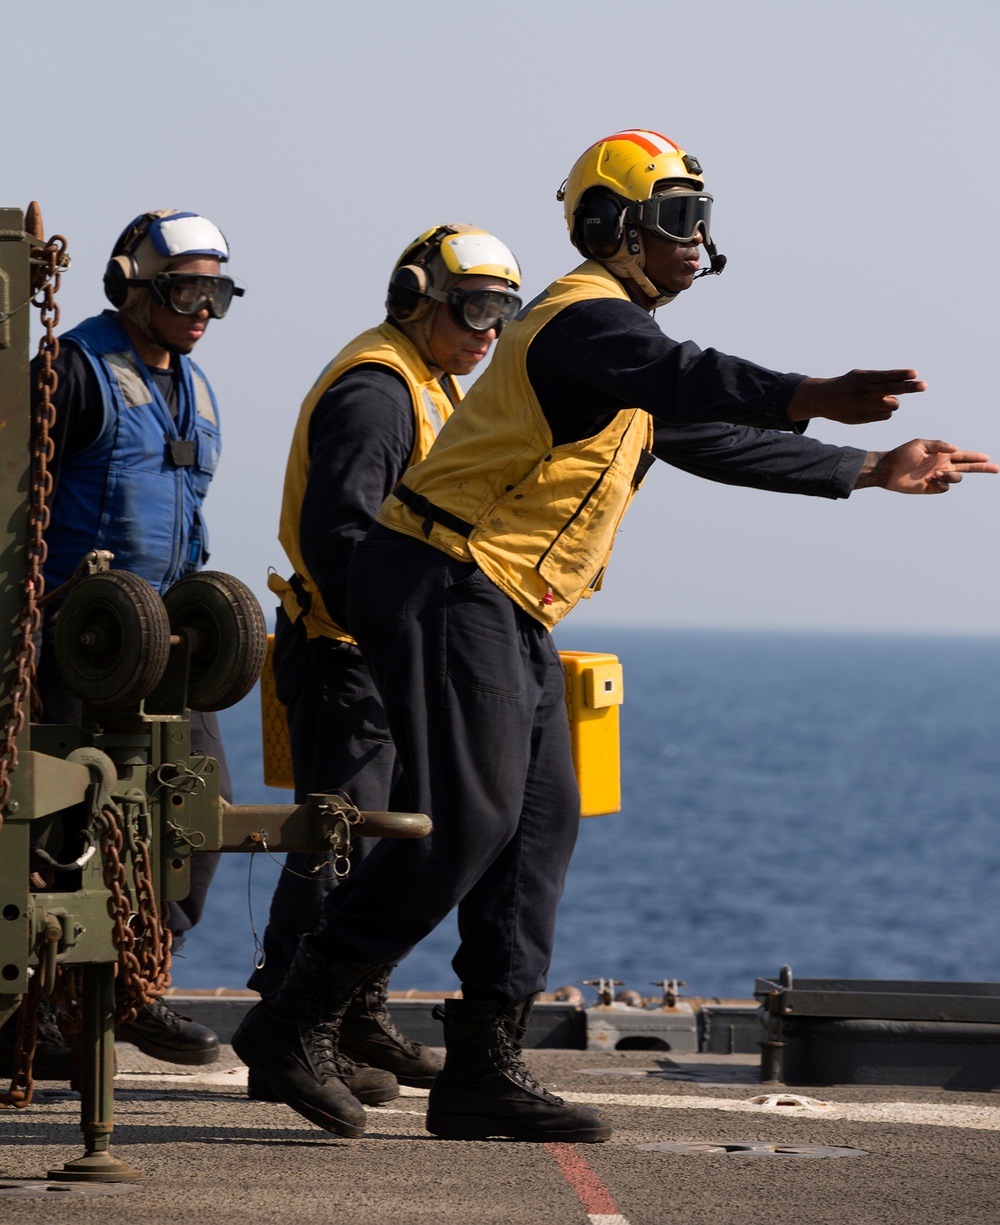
(538, 519)
(384, 345)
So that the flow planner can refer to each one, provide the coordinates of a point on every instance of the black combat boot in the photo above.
(159, 1031)
(291, 1042)
(485, 1090)
(369, 1085)
(368, 1035)
(54, 1058)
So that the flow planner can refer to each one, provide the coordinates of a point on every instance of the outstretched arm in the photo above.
(921, 466)
(855, 398)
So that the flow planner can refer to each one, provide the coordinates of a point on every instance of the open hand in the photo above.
(925, 466)
(855, 398)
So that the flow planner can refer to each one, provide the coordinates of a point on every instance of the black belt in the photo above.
(303, 596)
(430, 513)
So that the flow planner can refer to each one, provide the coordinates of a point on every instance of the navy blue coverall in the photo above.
(361, 438)
(473, 687)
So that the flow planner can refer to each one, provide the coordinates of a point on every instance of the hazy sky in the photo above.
(851, 149)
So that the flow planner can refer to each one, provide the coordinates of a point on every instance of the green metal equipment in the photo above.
(98, 821)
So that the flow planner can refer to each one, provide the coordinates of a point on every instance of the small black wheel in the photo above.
(229, 637)
(112, 639)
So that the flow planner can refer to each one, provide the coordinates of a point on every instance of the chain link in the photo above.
(142, 940)
(22, 1084)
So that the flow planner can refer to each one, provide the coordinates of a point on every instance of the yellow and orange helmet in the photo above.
(633, 181)
(631, 165)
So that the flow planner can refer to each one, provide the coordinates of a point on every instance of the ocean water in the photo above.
(828, 802)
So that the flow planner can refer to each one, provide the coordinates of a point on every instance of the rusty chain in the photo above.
(142, 940)
(22, 1084)
(47, 264)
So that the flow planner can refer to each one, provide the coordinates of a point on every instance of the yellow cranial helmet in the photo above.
(635, 181)
(629, 164)
(432, 270)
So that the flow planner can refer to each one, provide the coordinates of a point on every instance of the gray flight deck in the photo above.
(854, 1154)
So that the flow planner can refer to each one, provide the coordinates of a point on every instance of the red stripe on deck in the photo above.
(589, 1189)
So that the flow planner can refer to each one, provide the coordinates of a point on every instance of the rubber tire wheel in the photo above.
(231, 637)
(127, 624)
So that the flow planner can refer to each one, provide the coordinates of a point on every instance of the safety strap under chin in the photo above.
(631, 269)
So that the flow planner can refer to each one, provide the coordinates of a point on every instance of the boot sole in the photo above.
(169, 1054)
(416, 1082)
(478, 1127)
(245, 1048)
(258, 1090)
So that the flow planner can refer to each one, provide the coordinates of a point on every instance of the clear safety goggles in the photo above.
(187, 293)
(479, 310)
(677, 215)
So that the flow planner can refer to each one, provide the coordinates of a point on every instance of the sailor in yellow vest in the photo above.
(375, 410)
(478, 553)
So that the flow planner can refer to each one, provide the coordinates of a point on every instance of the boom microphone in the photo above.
(718, 262)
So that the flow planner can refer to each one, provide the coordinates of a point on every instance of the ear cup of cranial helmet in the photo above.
(597, 226)
(405, 301)
(116, 279)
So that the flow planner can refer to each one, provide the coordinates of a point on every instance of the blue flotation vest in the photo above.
(138, 488)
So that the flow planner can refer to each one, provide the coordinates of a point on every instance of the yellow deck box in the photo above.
(594, 691)
(593, 695)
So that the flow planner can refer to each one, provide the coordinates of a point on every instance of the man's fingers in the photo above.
(969, 457)
(891, 382)
(896, 387)
(963, 461)
(887, 376)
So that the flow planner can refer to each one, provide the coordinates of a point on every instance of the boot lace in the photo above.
(162, 1014)
(328, 1061)
(509, 1061)
(378, 1010)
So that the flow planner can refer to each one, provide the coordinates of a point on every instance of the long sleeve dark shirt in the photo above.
(592, 360)
(600, 356)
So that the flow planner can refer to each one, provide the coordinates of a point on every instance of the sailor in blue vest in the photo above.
(136, 445)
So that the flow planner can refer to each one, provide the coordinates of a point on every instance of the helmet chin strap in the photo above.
(628, 264)
(420, 334)
(136, 308)
(635, 273)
